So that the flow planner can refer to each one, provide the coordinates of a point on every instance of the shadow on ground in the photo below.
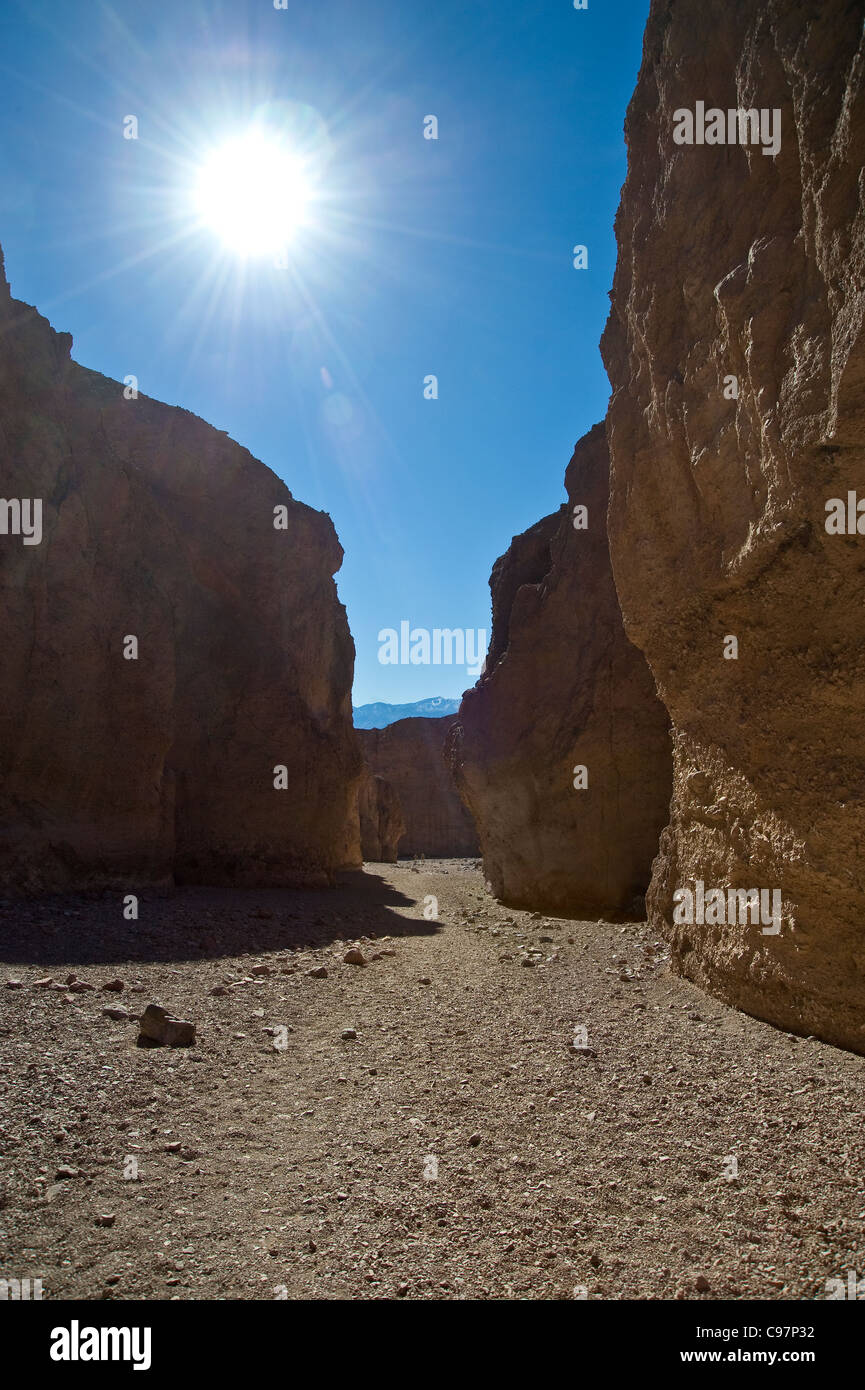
(201, 923)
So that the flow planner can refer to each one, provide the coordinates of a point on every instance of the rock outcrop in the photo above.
(410, 756)
(736, 356)
(165, 647)
(564, 689)
(381, 821)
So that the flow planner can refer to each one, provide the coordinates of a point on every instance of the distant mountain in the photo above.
(379, 715)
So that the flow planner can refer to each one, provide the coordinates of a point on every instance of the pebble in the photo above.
(319, 972)
(348, 1034)
(354, 956)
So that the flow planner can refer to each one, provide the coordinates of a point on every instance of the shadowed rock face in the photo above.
(410, 755)
(734, 263)
(159, 527)
(564, 687)
(381, 822)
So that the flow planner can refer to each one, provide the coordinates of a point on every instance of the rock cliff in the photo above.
(736, 357)
(564, 689)
(165, 646)
(410, 755)
(381, 821)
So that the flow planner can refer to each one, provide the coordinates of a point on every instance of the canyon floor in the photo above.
(301, 1164)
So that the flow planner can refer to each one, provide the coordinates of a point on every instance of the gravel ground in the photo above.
(456, 1147)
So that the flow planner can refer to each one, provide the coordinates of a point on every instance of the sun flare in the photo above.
(252, 192)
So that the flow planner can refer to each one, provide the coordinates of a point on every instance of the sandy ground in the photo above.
(457, 1147)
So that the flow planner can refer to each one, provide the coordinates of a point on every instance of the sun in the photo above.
(252, 192)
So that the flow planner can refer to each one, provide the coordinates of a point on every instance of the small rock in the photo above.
(701, 1284)
(106, 1218)
(354, 956)
(219, 991)
(80, 987)
(14, 984)
(116, 1014)
(66, 1172)
(348, 1034)
(679, 1294)
(261, 970)
(424, 980)
(474, 1140)
(47, 983)
(116, 986)
(174, 1147)
(158, 1027)
(319, 972)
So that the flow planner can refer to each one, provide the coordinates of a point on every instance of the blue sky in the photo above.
(450, 257)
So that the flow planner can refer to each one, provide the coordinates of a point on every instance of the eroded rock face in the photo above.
(563, 689)
(410, 755)
(155, 526)
(381, 820)
(733, 263)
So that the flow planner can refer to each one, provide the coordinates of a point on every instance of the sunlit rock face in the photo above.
(410, 755)
(738, 264)
(157, 527)
(381, 820)
(565, 699)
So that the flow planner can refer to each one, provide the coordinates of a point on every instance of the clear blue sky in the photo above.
(448, 257)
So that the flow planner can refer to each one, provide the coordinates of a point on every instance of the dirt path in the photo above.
(309, 1170)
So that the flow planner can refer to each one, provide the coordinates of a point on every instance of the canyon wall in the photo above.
(563, 688)
(381, 820)
(736, 357)
(117, 769)
(410, 755)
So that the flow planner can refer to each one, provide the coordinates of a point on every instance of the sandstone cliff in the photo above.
(738, 264)
(563, 687)
(410, 755)
(157, 527)
(381, 820)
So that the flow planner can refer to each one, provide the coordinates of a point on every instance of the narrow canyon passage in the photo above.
(457, 1146)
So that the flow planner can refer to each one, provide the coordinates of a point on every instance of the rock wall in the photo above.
(157, 527)
(738, 264)
(381, 820)
(562, 688)
(410, 755)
